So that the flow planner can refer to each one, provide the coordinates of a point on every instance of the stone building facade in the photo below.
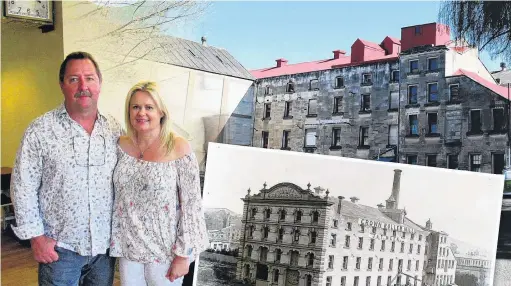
(440, 261)
(304, 237)
(425, 97)
(473, 264)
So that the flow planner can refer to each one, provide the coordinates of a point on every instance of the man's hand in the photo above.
(43, 249)
(178, 268)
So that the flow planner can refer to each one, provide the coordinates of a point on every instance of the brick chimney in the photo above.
(281, 62)
(393, 200)
(338, 53)
(339, 205)
(354, 199)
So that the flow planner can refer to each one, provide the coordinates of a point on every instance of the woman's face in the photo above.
(144, 113)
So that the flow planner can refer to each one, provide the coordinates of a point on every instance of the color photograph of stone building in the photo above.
(419, 99)
(314, 220)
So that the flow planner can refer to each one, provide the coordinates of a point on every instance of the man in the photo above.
(61, 183)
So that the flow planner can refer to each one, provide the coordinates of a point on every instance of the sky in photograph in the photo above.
(257, 33)
(464, 204)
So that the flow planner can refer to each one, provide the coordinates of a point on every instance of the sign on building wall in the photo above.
(413, 111)
(371, 223)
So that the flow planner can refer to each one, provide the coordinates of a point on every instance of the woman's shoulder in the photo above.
(181, 148)
(124, 142)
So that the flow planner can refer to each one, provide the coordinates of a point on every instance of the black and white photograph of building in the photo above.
(284, 218)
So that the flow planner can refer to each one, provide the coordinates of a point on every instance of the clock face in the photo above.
(29, 9)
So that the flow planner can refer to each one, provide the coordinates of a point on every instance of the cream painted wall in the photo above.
(469, 61)
(30, 63)
(192, 96)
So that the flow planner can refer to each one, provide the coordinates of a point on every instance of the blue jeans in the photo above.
(73, 269)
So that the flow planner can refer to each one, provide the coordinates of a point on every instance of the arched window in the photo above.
(315, 216)
(310, 259)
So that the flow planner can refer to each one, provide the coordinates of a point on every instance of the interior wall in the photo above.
(30, 62)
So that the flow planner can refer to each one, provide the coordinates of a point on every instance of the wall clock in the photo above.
(33, 11)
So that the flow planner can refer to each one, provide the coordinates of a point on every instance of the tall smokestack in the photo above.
(396, 185)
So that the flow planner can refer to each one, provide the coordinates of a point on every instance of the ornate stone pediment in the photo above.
(284, 193)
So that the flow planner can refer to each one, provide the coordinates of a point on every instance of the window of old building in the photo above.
(475, 121)
(249, 251)
(314, 84)
(348, 226)
(345, 262)
(378, 281)
(339, 82)
(394, 100)
(382, 245)
(287, 109)
(313, 236)
(278, 254)
(409, 266)
(358, 262)
(276, 275)
(336, 223)
(251, 231)
(432, 123)
(336, 137)
(431, 160)
(263, 254)
(310, 259)
(367, 78)
(285, 139)
(417, 265)
(253, 213)
(373, 230)
(419, 249)
(282, 215)
(499, 121)
(296, 237)
(333, 239)
(360, 242)
(337, 105)
(347, 241)
(330, 262)
(452, 161)
(380, 265)
(266, 232)
(370, 263)
(402, 250)
(308, 280)
(364, 137)
(403, 235)
(433, 64)
(393, 247)
(267, 213)
(343, 280)
(310, 138)
(389, 280)
(290, 87)
(411, 248)
(498, 163)
(418, 31)
(267, 90)
(433, 92)
(371, 245)
(362, 228)
(368, 281)
(391, 264)
(298, 216)
(267, 110)
(355, 281)
(414, 124)
(265, 138)
(454, 95)
(475, 162)
(394, 77)
(393, 135)
(294, 258)
(414, 66)
(365, 105)
(313, 107)
(315, 216)
(412, 94)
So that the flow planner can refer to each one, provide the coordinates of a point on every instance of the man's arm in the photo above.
(25, 184)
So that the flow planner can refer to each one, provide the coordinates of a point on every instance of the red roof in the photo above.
(395, 40)
(500, 90)
(371, 45)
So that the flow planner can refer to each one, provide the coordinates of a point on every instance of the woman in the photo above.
(158, 223)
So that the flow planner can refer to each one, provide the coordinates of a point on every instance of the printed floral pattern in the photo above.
(158, 210)
(62, 181)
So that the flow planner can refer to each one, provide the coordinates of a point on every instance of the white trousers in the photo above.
(150, 274)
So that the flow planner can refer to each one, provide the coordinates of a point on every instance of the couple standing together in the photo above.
(85, 192)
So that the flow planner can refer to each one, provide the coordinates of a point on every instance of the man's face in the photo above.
(81, 86)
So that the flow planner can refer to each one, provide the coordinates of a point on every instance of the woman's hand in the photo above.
(178, 267)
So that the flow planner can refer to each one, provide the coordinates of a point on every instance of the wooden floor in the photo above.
(18, 265)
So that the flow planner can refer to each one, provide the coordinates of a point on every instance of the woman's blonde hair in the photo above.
(166, 134)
